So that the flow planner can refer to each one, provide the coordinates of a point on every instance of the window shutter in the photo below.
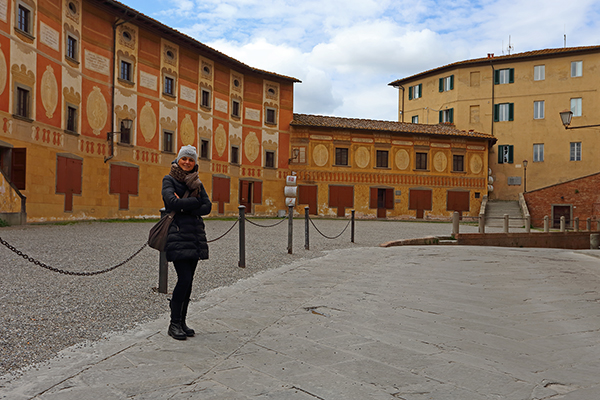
(510, 154)
(389, 199)
(451, 82)
(573, 69)
(115, 179)
(441, 84)
(496, 112)
(511, 75)
(511, 111)
(441, 116)
(410, 92)
(373, 198)
(500, 152)
(496, 77)
(420, 90)
(75, 168)
(451, 115)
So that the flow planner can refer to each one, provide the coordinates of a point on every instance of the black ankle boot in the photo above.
(175, 330)
(188, 331)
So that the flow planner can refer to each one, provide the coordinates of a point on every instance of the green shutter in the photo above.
(500, 151)
(441, 113)
(451, 115)
(420, 90)
(496, 77)
(511, 75)
(511, 111)
(510, 154)
(410, 93)
(496, 112)
(441, 84)
(451, 82)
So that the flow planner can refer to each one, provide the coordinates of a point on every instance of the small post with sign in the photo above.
(291, 192)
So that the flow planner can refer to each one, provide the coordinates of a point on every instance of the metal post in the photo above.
(481, 223)
(546, 223)
(163, 265)
(588, 224)
(505, 223)
(455, 223)
(290, 229)
(352, 228)
(528, 224)
(576, 224)
(306, 238)
(242, 235)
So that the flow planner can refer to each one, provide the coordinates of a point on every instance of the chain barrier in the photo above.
(267, 226)
(223, 235)
(60, 271)
(329, 237)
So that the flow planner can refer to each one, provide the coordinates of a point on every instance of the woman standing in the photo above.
(183, 192)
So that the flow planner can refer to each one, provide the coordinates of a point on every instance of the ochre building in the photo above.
(385, 169)
(96, 99)
(517, 98)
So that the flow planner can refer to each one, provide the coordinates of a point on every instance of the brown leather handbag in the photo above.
(157, 238)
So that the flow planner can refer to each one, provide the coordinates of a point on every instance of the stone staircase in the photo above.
(495, 210)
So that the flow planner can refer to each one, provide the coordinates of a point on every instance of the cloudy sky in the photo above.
(346, 52)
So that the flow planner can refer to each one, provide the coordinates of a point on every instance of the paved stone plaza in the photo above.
(412, 322)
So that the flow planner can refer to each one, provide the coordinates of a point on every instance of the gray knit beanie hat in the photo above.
(187, 151)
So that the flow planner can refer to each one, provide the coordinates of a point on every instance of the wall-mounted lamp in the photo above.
(295, 154)
(125, 124)
(566, 117)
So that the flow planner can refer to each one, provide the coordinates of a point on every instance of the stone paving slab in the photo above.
(412, 323)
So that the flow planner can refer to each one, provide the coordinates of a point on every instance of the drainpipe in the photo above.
(491, 56)
(402, 87)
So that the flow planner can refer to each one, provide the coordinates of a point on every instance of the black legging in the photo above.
(185, 276)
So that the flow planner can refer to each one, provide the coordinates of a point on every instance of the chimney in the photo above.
(490, 55)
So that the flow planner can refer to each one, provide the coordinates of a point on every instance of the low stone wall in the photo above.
(558, 240)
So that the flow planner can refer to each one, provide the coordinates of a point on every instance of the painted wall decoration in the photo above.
(148, 122)
(96, 110)
(3, 71)
(49, 91)
(320, 155)
(440, 161)
(476, 163)
(187, 131)
(362, 157)
(402, 159)
(251, 147)
(220, 139)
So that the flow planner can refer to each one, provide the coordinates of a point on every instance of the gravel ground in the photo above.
(43, 312)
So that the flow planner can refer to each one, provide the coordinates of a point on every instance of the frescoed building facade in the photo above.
(387, 169)
(517, 98)
(74, 72)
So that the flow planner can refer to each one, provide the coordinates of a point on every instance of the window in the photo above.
(575, 151)
(447, 116)
(235, 108)
(539, 72)
(421, 161)
(168, 141)
(538, 109)
(24, 19)
(270, 159)
(125, 135)
(205, 99)
(447, 83)
(576, 68)
(415, 92)
(125, 71)
(169, 86)
(22, 104)
(235, 157)
(458, 163)
(298, 155)
(271, 116)
(504, 112)
(71, 119)
(505, 154)
(382, 158)
(503, 76)
(71, 47)
(204, 148)
(341, 156)
(415, 119)
(576, 107)
(538, 152)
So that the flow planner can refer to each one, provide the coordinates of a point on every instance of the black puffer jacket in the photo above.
(187, 238)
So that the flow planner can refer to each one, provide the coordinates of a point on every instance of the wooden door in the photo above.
(381, 203)
(307, 194)
(419, 200)
(246, 195)
(560, 211)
